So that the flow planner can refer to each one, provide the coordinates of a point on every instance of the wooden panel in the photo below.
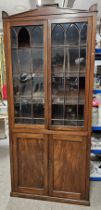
(30, 165)
(49, 10)
(67, 167)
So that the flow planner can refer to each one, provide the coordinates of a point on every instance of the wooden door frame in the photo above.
(62, 194)
(7, 43)
(16, 187)
(88, 67)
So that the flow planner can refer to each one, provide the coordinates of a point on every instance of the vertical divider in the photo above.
(46, 75)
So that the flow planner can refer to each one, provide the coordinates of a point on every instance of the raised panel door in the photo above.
(67, 166)
(30, 153)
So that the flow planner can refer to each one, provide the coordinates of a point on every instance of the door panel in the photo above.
(29, 63)
(31, 162)
(67, 166)
(69, 73)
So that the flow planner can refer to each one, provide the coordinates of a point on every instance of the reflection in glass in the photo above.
(57, 61)
(74, 60)
(82, 59)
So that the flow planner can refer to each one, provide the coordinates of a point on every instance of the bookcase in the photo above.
(49, 61)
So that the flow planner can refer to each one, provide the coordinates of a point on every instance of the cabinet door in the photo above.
(28, 46)
(67, 166)
(69, 73)
(30, 153)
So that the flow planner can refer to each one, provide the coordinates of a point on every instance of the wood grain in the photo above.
(67, 167)
(31, 160)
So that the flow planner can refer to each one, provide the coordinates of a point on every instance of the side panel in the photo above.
(30, 153)
(67, 166)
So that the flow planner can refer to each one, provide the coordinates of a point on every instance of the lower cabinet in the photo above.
(50, 165)
(68, 166)
(30, 153)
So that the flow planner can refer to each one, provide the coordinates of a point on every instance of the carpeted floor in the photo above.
(9, 203)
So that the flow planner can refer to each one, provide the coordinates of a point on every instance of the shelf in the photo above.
(95, 150)
(95, 178)
(96, 128)
(96, 91)
(69, 45)
(28, 47)
(98, 51)
(36, 75)
(71, 72)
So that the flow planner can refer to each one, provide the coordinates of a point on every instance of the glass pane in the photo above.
(14, 38)
(82, 61)
(37, 61)
(25, 87)
(38, 110)
(15, 62)
(68, 67)
(16, 86)
(37, 35)
(22, 107)
(24, 60)
(38, 84)
(57, 61)
(57, 34)
(71, 115)
(23, 37)
(24, 120)
(58, 85)
(73, 61)
(28, 75)
(84, 34)
(72, 34)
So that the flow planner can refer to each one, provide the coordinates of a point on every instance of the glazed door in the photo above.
(69, 73)
(30, 155)
(28, 45)
(67, 169)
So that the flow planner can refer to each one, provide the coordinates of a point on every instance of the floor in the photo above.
(10, 203)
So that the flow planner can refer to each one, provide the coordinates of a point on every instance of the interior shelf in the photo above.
(27, 47)
(69, 45)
